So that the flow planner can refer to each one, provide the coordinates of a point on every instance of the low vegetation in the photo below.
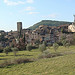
(7, 63)
(29, 47)
(15, 50)
(42, 47)
(55, 63)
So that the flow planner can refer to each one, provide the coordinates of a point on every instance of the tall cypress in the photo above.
(24, 38)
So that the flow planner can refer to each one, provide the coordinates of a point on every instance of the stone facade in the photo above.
(71, 28)
(19, 26)
(50, 34)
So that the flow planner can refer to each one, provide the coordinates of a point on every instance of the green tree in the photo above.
(2, 38)
(64, 43)
(37, 42)
(67, 45)
(24, 38)
(45, 43)
(29, 47)
(42, 47)
(55, 46)
(6, 50)
(15, 50)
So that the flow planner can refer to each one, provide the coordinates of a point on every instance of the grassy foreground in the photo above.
(61, 65)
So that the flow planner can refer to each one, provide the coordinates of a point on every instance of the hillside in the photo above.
(49, 23)
(61, 65)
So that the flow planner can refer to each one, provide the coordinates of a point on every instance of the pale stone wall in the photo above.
(71, 28)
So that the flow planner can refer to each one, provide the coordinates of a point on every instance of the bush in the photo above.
(21, 60)
(46, 52)
(15, 50)
(45, 43)
(29, 47)
(67, 45)
(49, 55)
(34, 47)
(55, 46)
(42, 47)
(14, 61)
(37, 42)
(1, 49)
(7, 49)
(64, 43)
(21, 46)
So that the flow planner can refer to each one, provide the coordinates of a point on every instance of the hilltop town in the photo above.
(49, 34)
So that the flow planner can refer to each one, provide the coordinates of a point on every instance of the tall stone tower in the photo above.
(74, 20)
(19, 26)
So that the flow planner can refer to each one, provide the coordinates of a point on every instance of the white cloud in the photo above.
(51, 16)
(30, 1)
(13, 3)
(33, 13)
(29, 8)
(8, 2)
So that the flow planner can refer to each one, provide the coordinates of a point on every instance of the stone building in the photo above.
(19, 26)
(50, 34)
(71, 28)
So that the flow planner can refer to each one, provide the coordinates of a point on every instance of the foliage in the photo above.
(45, 43)
(49, 23)
(49, 55)
(64, 43)
(24, 38)
(6, 49)
(21, 44)
(29, 47)
(15, 50)
(37, 42)
(42, 47)
(73, 41)
(63, 37)
(55, 46)
(67, 45)
(1, 49)
(14, 61)
(56, 66)
(2, 38)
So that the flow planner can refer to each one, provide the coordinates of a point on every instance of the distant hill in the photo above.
(49, 23)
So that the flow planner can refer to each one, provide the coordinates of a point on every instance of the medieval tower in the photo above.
(74, 18)
(19, 26)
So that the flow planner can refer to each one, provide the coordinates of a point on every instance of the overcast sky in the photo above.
(30, 12)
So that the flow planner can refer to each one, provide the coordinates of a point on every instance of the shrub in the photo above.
(29, 47)
(37, 42)
(21, 46)
(21, 60)
(1, 49)
(64, 43)
(7, 49)
(34, 47)
(55, 46)
(46, 52)
(67, 45)
(42, 47)
(15, 61)
(15, 50)
(49, 55)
